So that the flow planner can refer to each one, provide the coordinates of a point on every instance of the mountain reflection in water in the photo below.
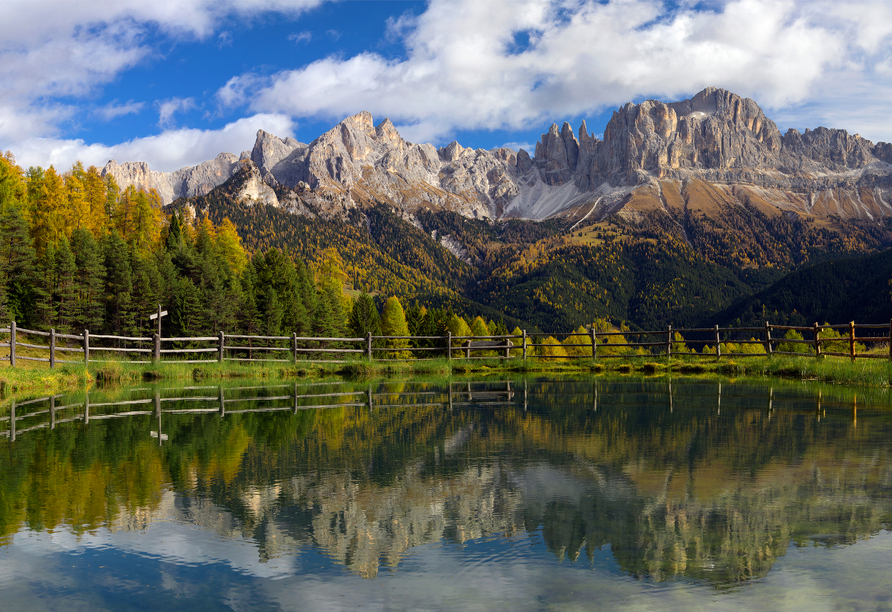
(703, 481)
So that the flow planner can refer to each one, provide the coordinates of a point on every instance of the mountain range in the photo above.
(653, 156)
(681, 211)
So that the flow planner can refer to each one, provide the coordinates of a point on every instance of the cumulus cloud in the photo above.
(496, 65)
(54, 53)
(168, 151)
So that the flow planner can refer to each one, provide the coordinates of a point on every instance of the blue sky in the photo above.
(175, 83)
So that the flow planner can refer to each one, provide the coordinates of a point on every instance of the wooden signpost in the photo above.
(158, 315)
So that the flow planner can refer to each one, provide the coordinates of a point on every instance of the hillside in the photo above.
(852, 289)
(546, 275)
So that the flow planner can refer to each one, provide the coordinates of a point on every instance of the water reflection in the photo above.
(707, 482)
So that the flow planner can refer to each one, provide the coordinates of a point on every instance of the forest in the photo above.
(80, 252)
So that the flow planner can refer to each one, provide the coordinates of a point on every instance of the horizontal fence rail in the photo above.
(855, 341)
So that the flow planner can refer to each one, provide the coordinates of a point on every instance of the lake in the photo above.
(527, 494)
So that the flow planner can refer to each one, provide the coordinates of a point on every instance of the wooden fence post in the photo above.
(156, 348)
(12, 344)
(524, 345)
(890, 340)
(669, 342)
(294, 347)
(86, 347)
(449, 345)
(718, 345)
(768, 338)
(817, 342)
(852, 339)
(52, 348)
(594, 343)
(368, 346)
(220, 348)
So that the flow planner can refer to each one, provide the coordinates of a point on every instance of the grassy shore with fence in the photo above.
(848, 353)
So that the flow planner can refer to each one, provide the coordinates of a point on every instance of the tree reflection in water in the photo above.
(707, 481)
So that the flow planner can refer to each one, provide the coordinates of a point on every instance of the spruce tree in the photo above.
(90, 279)
(118, 282)
(65, 290)
(185, 307)
(18, 259)
(364, 318)
(273, 312)
(147, 290)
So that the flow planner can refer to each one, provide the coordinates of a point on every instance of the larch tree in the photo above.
(393, 323)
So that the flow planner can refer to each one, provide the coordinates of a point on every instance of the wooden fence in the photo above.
(714, 343)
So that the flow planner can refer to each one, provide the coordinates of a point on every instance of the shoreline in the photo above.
(829, 370)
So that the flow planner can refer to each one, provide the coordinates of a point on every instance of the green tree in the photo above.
(65, 287)
(364, 318)
(793, 347)
(18, 262)
(393, 323)
(90, 279)
(458, 327)
(118, 283)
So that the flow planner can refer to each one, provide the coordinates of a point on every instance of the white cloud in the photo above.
(167, 109)
(113, 109)
(299, 37)
(464, 70)
(529, 147)
(166, 152)
(70, 50)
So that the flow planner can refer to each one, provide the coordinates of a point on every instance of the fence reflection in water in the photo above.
(48, 412)
(44, 412)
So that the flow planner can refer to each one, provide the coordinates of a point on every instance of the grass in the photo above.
(30, 376)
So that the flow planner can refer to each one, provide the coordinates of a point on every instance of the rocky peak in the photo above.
(556, 155)
(451, 152)
(386, 133)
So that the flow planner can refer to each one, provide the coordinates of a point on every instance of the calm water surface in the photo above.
(495, 495)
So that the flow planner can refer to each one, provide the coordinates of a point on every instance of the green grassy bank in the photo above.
(32, 378)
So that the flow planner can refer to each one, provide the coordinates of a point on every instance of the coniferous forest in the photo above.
(80, 252)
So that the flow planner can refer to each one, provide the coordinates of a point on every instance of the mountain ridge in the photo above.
(716, 137)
